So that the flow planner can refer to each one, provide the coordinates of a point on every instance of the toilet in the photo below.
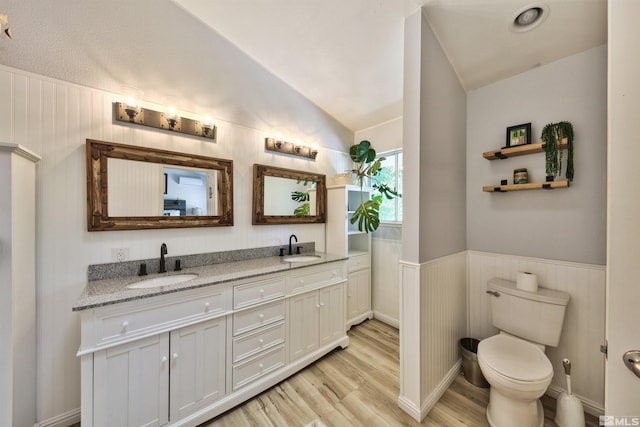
(513, 361)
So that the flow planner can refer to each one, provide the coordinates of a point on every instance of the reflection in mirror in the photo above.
(135, 188)
(285, 196)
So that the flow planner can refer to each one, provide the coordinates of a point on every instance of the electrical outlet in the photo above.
(119, 254)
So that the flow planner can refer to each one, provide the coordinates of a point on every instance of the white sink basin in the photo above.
(162, 281)
(302, 258)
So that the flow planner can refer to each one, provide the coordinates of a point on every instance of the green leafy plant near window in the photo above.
(552, 136)
(367, 167)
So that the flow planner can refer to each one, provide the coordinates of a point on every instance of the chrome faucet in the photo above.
(293, 236)
(163, 252)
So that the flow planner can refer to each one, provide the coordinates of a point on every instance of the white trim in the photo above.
(440, 389)
(386, 319)
(590, 407)
(378, 125)
(544, 260)
(20, 150)
(408, 406)
(63, 420)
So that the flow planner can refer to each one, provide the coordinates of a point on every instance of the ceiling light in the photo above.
(529, 17)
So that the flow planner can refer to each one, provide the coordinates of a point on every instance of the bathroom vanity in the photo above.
(182, 354)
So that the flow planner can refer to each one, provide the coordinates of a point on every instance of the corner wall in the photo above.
(433, 265)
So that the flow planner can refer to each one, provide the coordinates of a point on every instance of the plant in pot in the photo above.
(552, 136)
(367, 167)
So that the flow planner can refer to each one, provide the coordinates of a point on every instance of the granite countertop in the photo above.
(112, 291)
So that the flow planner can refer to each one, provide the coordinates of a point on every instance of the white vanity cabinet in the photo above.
(131, 383)
(344, 238)
(182, 358)
(197, 367)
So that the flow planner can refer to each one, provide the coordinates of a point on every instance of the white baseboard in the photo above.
(386, 319)
(590, 407)
(409, 407)
(63, 420)
(440, 389)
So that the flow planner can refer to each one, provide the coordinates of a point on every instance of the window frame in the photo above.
(396, 201)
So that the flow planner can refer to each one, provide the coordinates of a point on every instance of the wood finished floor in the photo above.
(359, 386)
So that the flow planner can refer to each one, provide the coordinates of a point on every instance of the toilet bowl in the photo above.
(519, 373)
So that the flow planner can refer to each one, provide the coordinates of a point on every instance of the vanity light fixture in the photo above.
(130, 111)
(279, 145)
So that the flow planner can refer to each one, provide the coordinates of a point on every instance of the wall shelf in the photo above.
(529, 186)
(521, 150)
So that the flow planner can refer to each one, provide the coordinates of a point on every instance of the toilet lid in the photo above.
(515, 358)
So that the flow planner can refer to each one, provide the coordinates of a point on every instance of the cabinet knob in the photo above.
(125, 325)
(261, 366)
(317, 305)
(261, 316)
(207, 305)
(175, 356)
(321, 304)
(261, 341)
(261, 291)
(301, 280)
(164, 359)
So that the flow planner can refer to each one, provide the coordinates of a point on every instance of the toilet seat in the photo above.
(514, 359)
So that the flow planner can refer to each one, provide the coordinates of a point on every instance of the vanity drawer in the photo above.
(257, 317)
(315, 277)
(256, 292)
(253, 343)
(359, 262)
(124, 322)
(252, 369)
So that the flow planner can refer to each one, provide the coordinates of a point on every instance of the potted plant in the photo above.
(367, 167)
(552, 136)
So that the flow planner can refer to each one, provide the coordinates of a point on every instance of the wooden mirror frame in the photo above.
(98, 219)
(259, 218)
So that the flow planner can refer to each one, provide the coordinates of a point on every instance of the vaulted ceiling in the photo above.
(346, 56)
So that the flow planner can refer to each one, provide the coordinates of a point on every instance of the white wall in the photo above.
(53, 118)
(386, 242)
(432, 271)
(565, 224)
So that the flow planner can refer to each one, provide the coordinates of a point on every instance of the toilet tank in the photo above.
(533, 316)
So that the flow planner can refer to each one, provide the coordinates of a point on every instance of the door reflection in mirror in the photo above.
(140, 189)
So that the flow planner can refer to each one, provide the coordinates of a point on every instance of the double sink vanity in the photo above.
(182, 347)
(154, 353)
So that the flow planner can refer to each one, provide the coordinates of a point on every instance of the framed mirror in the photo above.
(134, 188)
(285, 196)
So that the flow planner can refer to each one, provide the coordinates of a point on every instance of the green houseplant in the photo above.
(552, 136)
(367, 167)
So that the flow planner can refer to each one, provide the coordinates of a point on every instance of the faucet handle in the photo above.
(143, 269)
(281, 252)
(177, 267)
(298, 250)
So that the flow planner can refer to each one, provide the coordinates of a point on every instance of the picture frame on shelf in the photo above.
(518, 135)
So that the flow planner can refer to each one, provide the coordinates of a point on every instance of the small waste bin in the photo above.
(470, 366)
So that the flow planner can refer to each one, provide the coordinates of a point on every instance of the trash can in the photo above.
(470, 366)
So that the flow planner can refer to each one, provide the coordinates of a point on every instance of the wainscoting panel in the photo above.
(385, 286)
(583, 331)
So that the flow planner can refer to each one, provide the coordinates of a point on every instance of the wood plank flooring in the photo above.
(359, 386)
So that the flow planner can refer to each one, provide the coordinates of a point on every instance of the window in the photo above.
(391, 174)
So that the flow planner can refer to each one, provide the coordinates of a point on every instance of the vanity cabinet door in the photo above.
(331, 314)
(197, 363)
(131, 383)
(358, 296)
(303, 324)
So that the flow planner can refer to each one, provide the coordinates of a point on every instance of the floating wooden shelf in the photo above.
(521, 150)
(529, 186)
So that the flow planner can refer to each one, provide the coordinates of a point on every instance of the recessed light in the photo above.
(529, 17)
